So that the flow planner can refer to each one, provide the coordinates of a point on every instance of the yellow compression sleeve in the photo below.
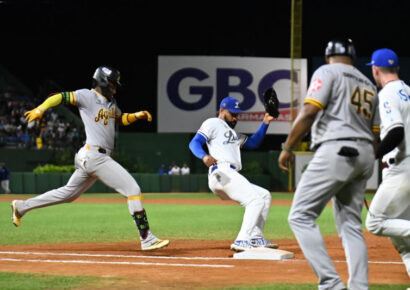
(128, 118)
(52, 101)
(57, 99)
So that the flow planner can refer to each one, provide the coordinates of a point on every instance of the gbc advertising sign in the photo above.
(190, 89)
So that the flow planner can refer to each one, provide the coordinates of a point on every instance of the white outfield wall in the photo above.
(190, 89)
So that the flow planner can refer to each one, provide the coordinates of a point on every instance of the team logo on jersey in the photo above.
(105, 115)
(387, 107)
(231, 138)
(315, 85)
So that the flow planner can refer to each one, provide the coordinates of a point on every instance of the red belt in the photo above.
(387, 164)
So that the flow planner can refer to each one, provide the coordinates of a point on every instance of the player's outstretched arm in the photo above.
(128, 118)
(52, 101)
(255, 140)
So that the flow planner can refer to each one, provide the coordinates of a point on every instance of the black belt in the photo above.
(341, 139)
(216, 167)
(350, 139)
(387, 164)
(102, 150)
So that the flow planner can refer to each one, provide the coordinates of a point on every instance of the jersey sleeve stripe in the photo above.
(376, 129)
(394, 125)
(244, 140)
(206, 137)
(314, 102)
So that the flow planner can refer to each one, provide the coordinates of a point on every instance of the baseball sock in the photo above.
(141, 220)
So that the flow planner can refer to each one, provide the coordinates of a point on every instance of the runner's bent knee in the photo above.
(373, 224)
(132, 189)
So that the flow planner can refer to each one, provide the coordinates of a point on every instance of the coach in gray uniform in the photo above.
(100, 114)
(341, 110)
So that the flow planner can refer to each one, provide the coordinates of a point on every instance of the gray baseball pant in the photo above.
(90, 166)
(341, 179)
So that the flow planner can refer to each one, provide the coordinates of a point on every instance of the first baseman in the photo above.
(389, 212)
(341, 110)
(224, 179)
(100, 114)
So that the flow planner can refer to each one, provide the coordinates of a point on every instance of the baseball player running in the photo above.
(389, 212)
(224, 179)
(341, 110)
(100, 113)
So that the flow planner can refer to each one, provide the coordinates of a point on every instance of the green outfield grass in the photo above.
(17, 281)
(111, 222)
(105, 222)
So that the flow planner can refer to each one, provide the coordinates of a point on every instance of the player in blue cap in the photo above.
(389, 212)
(224, 179)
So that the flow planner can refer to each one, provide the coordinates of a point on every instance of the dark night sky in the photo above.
(65, 41)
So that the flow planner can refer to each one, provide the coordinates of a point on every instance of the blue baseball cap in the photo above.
(384, 57)
(231, 104)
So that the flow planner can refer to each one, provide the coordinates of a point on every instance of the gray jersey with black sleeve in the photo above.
(349, 104)
(98, 115)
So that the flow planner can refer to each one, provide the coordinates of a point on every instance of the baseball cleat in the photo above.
(241, 245)
(262, 242)
(15, 214)
(155, 245)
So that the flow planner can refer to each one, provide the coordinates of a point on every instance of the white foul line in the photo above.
(165, 257)
(343, 261)
(112, 256)
(114, 263)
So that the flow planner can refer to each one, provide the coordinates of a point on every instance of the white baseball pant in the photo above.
(389, 212)
(226, 182)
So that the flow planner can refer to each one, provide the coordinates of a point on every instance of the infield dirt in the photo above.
(191, 263)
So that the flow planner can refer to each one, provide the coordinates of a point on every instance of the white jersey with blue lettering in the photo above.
(389, 212)
(98, 115)
(222, 141)
(224, 180)
(394, 108)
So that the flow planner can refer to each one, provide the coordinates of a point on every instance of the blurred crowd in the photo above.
(174, 169)
(53, 131)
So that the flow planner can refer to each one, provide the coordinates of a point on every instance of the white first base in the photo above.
(264, 254)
